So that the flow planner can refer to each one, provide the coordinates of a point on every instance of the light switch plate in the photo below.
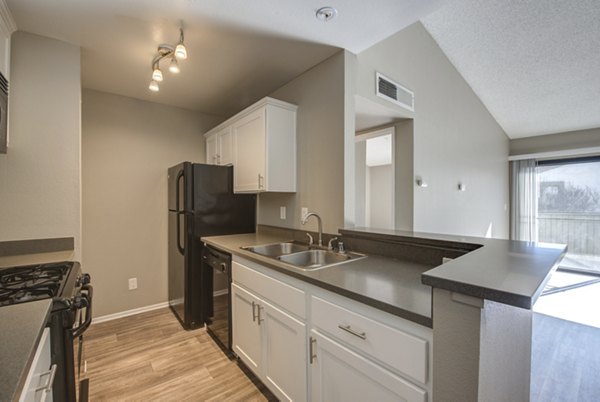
(303, 212)
(132, 283)
(282, 212)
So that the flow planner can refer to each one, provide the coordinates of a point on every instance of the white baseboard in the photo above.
(127, 313)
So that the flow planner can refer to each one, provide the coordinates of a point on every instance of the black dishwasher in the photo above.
(217, 266)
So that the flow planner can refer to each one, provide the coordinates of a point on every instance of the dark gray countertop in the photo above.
(506, 271)
(391, 285)
(22, 326)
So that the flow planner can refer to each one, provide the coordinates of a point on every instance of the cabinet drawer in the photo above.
(288, 297)
(402, 351)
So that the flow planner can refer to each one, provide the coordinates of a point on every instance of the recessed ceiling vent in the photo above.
(394, 92)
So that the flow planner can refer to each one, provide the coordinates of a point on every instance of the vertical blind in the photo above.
(524, 200)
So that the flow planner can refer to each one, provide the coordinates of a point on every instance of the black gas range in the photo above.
(71, 315)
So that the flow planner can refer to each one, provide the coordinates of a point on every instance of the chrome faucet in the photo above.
(305, 219)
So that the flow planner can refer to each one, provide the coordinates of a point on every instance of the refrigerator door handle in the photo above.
(179, 213)
(179, 246)
(177, 188)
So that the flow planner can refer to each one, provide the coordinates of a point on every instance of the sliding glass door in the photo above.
(568, 210)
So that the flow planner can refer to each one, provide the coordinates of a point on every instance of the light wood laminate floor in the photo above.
(150, 357)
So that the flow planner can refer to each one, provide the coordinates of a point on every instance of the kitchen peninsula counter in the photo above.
(389, 284)
(504, 271)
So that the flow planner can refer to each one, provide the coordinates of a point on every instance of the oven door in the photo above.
(83, 320)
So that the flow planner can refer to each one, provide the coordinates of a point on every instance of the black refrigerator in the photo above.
(201, 203)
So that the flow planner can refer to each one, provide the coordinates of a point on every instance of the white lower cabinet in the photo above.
(284, 364)
(271, 343)
(246, 333)
(339, 374)
(306, 343)
(40, 379)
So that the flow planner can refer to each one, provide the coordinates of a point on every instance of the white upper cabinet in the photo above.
(260, 142)
(249, 143)
(212, 154)
(219, 147)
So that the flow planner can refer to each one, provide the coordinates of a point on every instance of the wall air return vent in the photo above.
(394, 92)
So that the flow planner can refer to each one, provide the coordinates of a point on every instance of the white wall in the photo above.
(128, 145)
(455, 137)
(40, 175)
(380, 196)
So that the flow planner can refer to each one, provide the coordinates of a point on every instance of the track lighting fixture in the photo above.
(174, 53)
(174, 66)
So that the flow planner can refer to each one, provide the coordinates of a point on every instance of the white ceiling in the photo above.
(534, 64)
(239, 50)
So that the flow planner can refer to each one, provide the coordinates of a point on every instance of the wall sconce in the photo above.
(175, 53)
(462, 187)
(420, 182)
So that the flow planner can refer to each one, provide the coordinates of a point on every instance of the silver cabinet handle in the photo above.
(259, 319)
(253, 312)
(349, 329)
(260, 181)
(218, 159)
(48, 386)
(311, 349)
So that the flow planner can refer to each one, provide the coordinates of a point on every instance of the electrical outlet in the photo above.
(132, 283)
(282, 212)
(303, 212)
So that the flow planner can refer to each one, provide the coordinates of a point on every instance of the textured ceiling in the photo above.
(534, 64)
(239, 50)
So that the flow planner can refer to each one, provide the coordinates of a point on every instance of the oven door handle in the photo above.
(87, 298)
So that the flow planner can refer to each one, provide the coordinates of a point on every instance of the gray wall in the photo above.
(127, 146)
(455, 137)
(556, 142)
(319, 94)
(40, 183)
(404, 165)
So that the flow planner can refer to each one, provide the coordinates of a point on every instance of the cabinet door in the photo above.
(284, 354)
(249, 135)
(225, 149)
(246, 331)
(338, 374)
(211, 150)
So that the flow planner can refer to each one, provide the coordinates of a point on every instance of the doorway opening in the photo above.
(375, 174)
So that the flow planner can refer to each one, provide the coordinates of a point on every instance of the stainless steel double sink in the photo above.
(302, 256)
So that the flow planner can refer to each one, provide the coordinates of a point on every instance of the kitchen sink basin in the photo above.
(277, 249)
(301, 256)
(315, 259)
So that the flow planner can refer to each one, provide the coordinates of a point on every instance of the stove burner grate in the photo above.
(33, 282)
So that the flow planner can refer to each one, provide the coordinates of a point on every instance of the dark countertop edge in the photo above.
(478, 291)
(497, 295)
(23, 376)
(471, 246)
(36, 246)
(388, 308)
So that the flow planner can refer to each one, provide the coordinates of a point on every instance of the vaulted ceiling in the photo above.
(534, 64)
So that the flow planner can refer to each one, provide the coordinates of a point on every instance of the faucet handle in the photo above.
(341, 248)
(330, 244)
(310, 240)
